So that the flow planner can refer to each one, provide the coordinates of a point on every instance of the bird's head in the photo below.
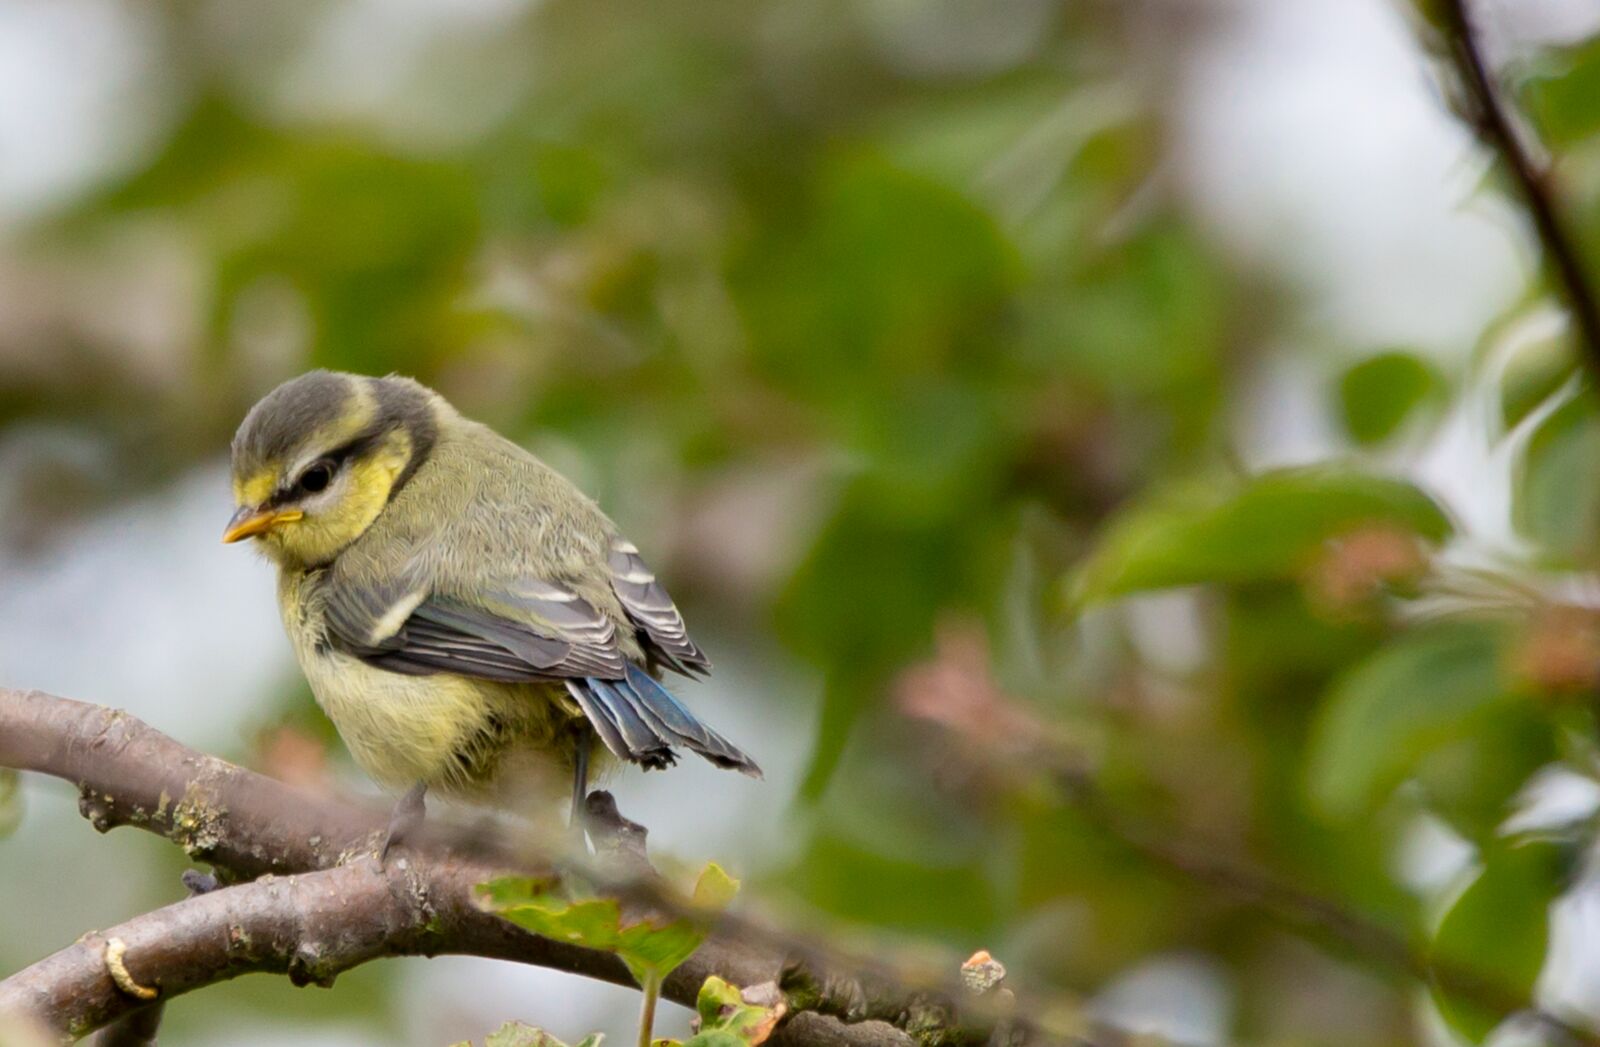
(318, 458)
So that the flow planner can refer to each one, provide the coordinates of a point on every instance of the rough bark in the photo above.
(311, 900)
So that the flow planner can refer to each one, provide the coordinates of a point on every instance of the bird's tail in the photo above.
(639, 720)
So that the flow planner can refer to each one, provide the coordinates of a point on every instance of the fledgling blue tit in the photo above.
(454, 602)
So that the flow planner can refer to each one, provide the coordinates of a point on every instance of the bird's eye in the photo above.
(316, 477)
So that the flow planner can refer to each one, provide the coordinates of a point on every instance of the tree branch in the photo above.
(320, 903)
(139, 1028)
(1531, 179)
(310, 927)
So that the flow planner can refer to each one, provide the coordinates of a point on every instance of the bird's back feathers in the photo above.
(513, 574)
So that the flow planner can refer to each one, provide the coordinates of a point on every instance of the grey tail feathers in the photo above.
(640, 721)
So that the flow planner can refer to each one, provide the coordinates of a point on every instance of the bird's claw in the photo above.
(403, 821)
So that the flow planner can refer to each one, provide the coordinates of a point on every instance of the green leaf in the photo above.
(714, 889)
(715, 1038)
(650, 947)
(658, 949)
(715, 995)
(1386, 713)
(1557, 485)
(10, 801)
(1379, 393)
(1266, 527)
(594, 923)
(1498, 931)
(728, 1020)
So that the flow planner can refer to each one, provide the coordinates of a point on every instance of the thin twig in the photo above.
(924, 995)
(651, 991)
(1532, 180)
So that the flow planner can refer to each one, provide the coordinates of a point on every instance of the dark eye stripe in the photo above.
(335, 458)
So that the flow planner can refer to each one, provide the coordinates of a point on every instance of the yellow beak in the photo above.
(249, 522)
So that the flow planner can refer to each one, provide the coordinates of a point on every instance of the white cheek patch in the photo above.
(391, 620)
(329, 496)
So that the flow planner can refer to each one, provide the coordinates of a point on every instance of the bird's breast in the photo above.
(448, 731)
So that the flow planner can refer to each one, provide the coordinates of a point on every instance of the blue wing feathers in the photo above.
(641, 721)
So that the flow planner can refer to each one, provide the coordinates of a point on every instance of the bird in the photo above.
(455, 604)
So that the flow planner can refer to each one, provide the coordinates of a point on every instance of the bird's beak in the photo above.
(250, 521)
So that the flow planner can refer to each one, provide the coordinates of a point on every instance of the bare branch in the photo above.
(1531, 179)
(130, 774)
(322, 904)
(310, 927)
(139, 1028)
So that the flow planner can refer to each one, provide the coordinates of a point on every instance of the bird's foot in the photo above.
(404, 820)
(619, 844)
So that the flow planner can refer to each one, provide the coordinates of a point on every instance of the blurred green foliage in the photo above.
(1386, 714)
(958, 314)
(1533, 374)
(1270, 527)
(1499, 929)
(1377, 395)
(1558, 492)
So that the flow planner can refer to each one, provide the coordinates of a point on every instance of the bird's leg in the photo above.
(580, 787)
(405, 818)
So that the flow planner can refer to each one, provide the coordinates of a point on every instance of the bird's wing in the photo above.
(661, 630)
(515, 630)
(532, 630)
